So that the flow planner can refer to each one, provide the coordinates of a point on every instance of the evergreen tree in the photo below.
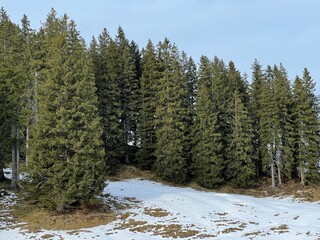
(268, 125)
(11, 87)
(208, 162)
(231, 82)
(284, 143)
(67, 159)
(171, 117)
(105, 64)
(306, 129)
(148, 103)
(189, 70)
(117, 72)
(241, 167)
(258, 77)
(28, 104)
(129, 90)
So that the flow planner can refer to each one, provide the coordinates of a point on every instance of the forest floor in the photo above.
(139, 206)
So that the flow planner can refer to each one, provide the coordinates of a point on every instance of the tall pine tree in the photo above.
(104, 55)
(207, 154)
(241, 168)
(67, 159)
(171, 117)
(148, 102)
(306, 129)
(11, 88)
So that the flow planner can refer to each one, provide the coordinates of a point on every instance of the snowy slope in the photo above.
(158, 212)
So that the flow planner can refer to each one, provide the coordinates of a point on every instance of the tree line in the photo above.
(73, 114)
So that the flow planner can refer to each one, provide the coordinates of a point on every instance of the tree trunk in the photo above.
(15, 157)
(2, 177)
(302, 176)
(35, 105)
(61, 207)
(279, 173)
(127, 156)
(27, 145)
(272, 175)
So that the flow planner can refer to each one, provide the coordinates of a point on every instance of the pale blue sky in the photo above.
(273, 31)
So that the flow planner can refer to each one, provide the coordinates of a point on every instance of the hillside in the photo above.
(149, 210)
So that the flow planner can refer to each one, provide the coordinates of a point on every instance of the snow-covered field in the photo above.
(162, 212)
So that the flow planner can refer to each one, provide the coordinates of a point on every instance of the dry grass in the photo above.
(167, 231)
(156, 212)
(131, 223)
(229, 230)
(130, 172)
(252, 234)
(281, 227)
(47, 236)
(84, 217)
(222, 214)
(206, 236)
(170, 230)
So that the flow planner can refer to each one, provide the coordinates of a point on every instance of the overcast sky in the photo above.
(273, 31)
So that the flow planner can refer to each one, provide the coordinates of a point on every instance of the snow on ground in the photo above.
(8, 173)
(162, 212)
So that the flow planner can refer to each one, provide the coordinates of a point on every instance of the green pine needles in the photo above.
(67, 162)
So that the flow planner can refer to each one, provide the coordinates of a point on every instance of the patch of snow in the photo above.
(8, 174)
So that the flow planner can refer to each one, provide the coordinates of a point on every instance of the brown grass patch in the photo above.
(132, 200)
(130, 224)
(252, 234)
(206, 236)
(283, 228)
(47, 236)
(156, 212)
(78, 232)
(229, 230)
(221, 220)
(222, 214)
(40, 218)
(167, 231)
(130, 172)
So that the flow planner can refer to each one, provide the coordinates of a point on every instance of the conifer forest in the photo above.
(71, 113)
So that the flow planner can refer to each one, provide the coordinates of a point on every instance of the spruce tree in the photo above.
(28, 103)
(207, 154)
(258, 78)
(189, 70)
(231, 82)
(129, 90)
(171, 117)
(268, 125)
(104, 55)
(117, 72)
(284, 144)
(241, 168)
(67, 159)
(148, 102)
(306, 125)
(11, 87)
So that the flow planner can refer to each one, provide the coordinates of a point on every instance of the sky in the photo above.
(271, 31)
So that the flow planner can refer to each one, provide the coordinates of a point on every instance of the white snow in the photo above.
(212, 215)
